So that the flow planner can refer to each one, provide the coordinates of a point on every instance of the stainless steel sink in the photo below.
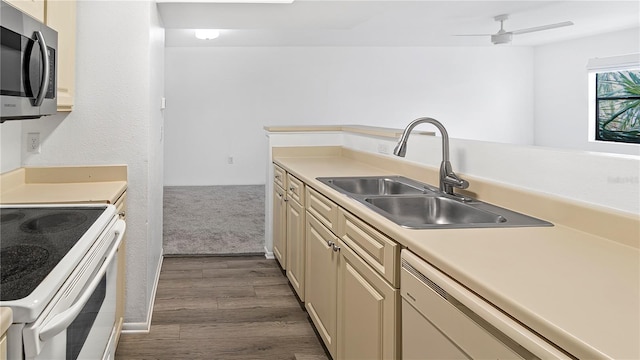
(416, 205)
(378, 185)
(416, 211)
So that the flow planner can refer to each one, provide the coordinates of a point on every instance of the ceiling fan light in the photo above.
(498, 39)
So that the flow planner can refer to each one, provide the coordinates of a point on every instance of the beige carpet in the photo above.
(207, 220)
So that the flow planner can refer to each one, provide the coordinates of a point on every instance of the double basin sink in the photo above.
(415, 205)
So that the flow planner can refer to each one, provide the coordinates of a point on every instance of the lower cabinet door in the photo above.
(3, 347)
(295, 246)
(368, 311)
(279, 226)
(320, 280)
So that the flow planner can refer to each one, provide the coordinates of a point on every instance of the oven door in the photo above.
(78, 322)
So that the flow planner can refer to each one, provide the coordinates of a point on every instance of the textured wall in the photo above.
(116, 120)
(155, 147)
(11, 145)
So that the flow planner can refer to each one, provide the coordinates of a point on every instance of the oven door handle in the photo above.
(61, 321)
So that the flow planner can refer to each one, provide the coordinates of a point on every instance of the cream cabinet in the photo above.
(280, 226)
(295, 189)
(320, 279)
(296, 245)
(368, 311)
(60, 15)
(279, 176)
(35, 8)
(289, 244)
(3, 347)
(368, 291)
(344, 270)
(353, 306)
(6, 319)
(325, 210)
(374, 248)
(295, 234)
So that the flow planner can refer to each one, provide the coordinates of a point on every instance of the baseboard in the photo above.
(144, 327)
(268, 254)
(136, 328)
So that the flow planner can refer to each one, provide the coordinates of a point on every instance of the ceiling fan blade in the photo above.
(541, 28)
(472, 34)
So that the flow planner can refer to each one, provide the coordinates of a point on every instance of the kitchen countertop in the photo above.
(63, 185)
(578, 289)
(65, 193)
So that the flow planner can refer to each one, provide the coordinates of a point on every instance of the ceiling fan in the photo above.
(504, 37)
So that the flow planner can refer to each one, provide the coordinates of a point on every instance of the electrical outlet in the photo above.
(383, 149)
(33, 142)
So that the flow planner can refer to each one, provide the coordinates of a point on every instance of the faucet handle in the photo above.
(455, 181)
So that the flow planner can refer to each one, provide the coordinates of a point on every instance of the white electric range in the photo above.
(58, 269)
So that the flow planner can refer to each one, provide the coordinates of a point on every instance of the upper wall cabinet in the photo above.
(61, 16)
(35, 8)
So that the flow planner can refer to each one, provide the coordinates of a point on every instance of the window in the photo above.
(615, 98)
(618, 106)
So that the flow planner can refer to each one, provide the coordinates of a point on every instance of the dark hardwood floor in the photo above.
(224, 308)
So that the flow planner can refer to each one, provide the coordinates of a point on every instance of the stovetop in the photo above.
(33, 240)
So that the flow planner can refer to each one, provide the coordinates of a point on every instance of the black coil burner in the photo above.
(21, 260)
(53, 223)
(33, 240)
(7, 217)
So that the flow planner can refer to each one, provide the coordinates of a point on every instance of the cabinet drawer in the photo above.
(295, 189)
(325, 210)
(377, 250)
(279, 176)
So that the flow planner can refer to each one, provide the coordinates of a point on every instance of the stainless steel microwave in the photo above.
(27, 66)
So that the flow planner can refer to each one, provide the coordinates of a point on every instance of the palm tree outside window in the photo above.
(618, 106)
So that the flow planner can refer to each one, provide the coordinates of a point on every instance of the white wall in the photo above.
(11, 145)
(155, 153)
(219, 99)
(561, 90)
(606, 180)
(117, 120)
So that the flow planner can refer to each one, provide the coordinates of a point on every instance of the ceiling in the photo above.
(388, 23)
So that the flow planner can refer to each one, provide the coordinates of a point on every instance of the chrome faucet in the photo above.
(448, 179)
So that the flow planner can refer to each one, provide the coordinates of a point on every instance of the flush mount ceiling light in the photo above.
(207, 34)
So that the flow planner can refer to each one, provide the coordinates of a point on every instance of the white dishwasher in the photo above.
(443, 320)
